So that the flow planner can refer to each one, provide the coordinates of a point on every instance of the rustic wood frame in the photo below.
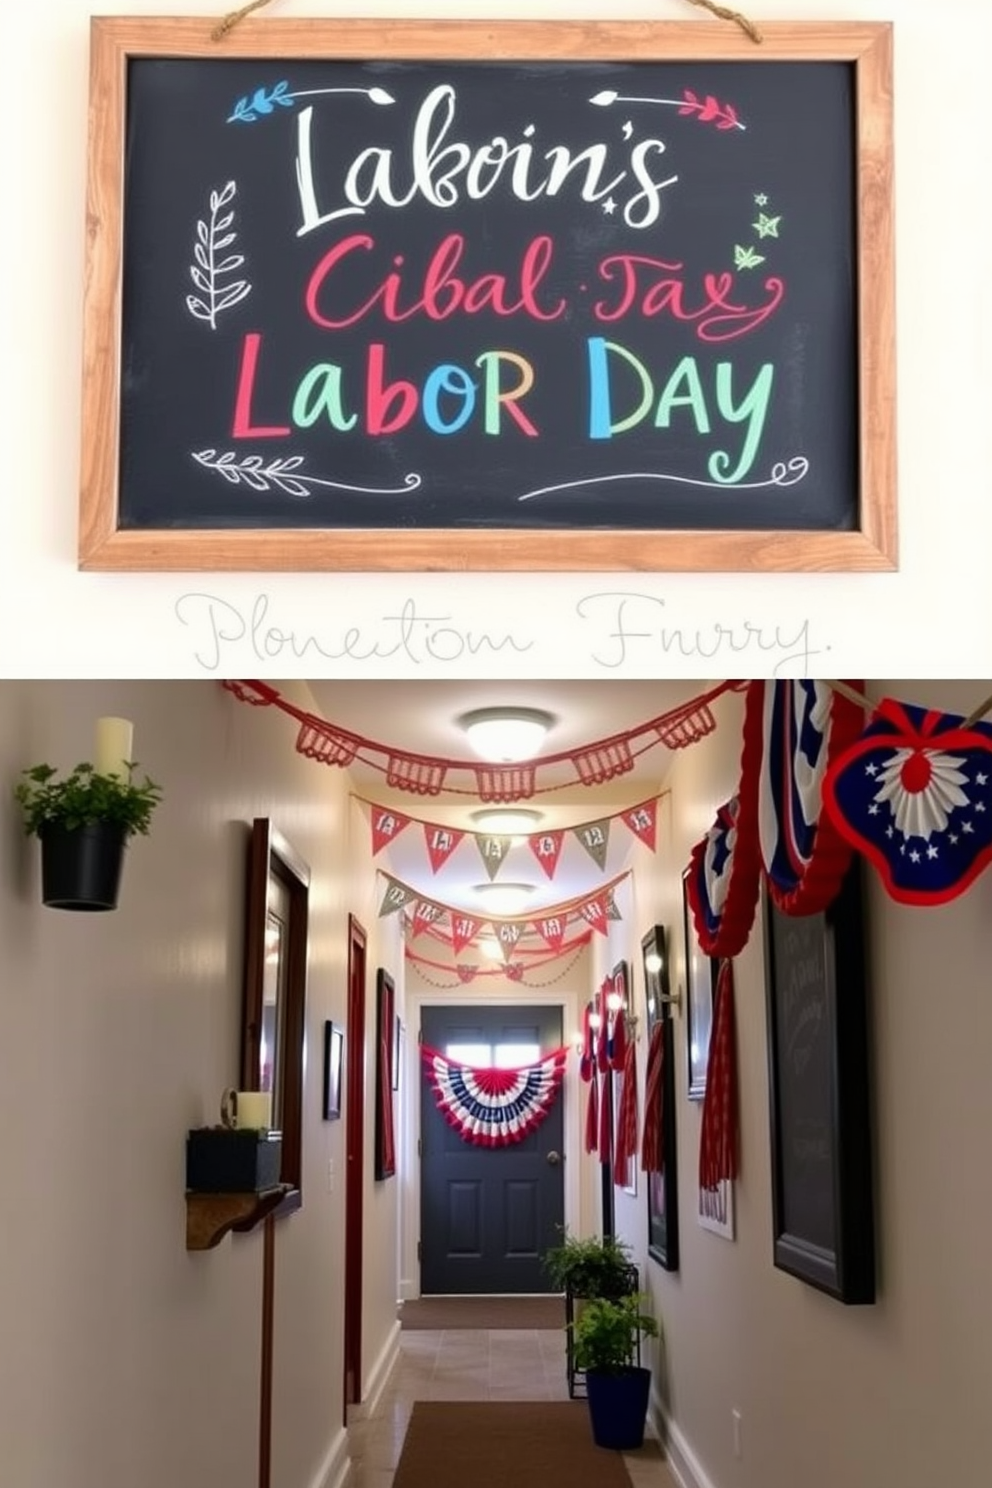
(102, 546)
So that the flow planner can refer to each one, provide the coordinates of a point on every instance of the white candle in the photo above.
(254, 1108)
(114, 743)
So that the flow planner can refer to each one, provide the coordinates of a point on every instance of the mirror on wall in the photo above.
(274, 1023)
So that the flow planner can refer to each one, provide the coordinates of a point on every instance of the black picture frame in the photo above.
(700, 995)
(663, 1188)
(819, 1095)
(385, 1135)
(333, 1067)
(273, 1022)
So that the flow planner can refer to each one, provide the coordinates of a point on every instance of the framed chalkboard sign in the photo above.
(425, 295)
(818, 1065)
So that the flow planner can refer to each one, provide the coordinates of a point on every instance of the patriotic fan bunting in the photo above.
(725, 868)
(494, 1107)
(804, 726)
(914, 795)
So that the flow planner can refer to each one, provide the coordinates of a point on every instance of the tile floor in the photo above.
(466, 1365)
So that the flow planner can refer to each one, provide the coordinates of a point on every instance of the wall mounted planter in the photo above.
(81, 867)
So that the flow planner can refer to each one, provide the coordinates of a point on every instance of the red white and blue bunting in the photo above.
(804, 727)
(492, 1107)
(914, 795)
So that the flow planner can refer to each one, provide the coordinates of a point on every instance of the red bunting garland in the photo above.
(626, 1117)
(725, 867)
(427, 775)
(719, 1136)
(653, 1141)
(494, 1107)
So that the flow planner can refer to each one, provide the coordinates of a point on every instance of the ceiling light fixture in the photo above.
(504, 898)
(507, 821)
(505, 735)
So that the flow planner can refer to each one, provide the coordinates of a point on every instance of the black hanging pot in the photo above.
(81, 866)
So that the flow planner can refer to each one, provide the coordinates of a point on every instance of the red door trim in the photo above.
(354, 1164)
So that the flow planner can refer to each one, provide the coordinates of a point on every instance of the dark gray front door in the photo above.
(488, 1214)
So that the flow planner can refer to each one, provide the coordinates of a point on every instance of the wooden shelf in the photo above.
(209, 1216)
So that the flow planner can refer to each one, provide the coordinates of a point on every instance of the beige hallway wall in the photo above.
(833, 1395)
(125, 1359)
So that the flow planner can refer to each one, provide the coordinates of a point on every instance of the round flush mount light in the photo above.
(506, 735)
(504, 898)
(506, 821)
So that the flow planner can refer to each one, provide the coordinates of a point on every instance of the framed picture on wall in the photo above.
(385, 1136)
(662, 1186)
(333, 1063)
(819, 1097)
(700, 986)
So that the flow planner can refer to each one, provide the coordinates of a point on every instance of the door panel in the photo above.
(489, 1214)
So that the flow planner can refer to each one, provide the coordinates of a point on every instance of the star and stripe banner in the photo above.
(803, 726)
(914, 795)
(594, 911)
(387, 824)
(492, 1107)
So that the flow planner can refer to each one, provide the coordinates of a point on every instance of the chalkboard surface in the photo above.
(820, 1104)
(475, 294)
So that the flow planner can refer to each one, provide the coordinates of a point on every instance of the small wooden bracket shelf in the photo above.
(209, 1216)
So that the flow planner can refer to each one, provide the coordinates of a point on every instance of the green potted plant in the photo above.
(83, 821)
(606, 1341)
(591, 1267)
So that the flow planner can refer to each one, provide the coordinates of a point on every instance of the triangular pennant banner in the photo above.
(441, 843)
(508, 932)
(594, 913)
(595, 838)
(466, 973)
(546, 847)
(493, 850)
(395, 897)
(386, 827)
(643, 822)
(425, 914)
(551, 929)
(612, 912)
(463, 930)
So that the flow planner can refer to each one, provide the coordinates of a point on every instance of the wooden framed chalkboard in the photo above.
(425, 295)
(820, 1107)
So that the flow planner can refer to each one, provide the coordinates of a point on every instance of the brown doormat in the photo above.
(483, 1312)
(488, 1444)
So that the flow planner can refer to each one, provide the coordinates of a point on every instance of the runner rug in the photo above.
(488, 1444)
(483, 1312)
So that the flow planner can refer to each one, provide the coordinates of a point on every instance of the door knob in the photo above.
(554, 1158)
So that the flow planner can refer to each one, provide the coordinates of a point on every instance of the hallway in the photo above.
(466, 1365)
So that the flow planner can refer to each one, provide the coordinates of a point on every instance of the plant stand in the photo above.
(576, 1377)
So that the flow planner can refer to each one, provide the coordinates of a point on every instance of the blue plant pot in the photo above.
(618, 1407)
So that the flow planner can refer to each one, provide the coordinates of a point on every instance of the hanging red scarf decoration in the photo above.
(804, 727)
(719, 1140)
(914, 795)
(653, 1140)
(494, 1107)
(626, 1116)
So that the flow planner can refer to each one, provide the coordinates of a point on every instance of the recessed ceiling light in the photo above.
(506, 735)
(504, 898)
(508, 821)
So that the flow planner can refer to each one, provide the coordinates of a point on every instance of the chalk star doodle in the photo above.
(761, 200)
(766, 227)
(746, 258)
(609, 206)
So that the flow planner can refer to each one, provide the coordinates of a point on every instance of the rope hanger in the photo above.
(234, 17)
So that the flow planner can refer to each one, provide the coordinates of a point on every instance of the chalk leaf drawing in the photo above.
(287, 475)
(213, 267)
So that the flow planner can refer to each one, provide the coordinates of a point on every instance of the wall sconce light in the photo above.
(506, 735)
(654, 956)
(595, 1020)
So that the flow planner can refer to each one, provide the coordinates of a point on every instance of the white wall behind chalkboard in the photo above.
(54, 620)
